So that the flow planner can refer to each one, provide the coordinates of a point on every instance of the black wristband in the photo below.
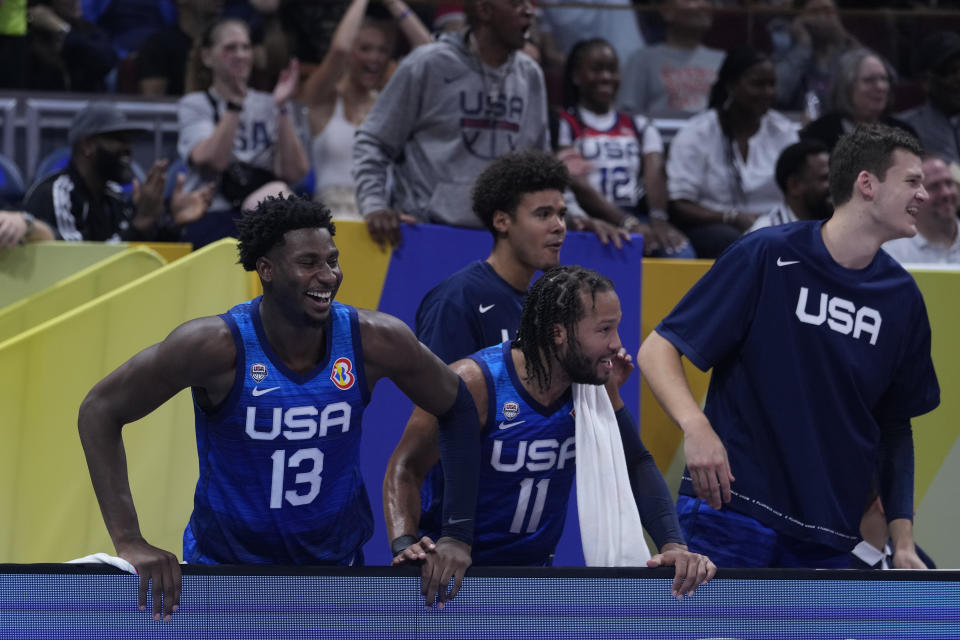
(234, 106)
(402, 542)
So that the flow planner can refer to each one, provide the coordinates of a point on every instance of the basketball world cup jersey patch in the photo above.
(341, 373)
(258, 371)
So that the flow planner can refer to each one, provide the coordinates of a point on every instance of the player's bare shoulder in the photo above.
(204, 354)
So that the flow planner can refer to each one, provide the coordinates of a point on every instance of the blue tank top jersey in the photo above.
(527, 468)
(810, 360)
(280, 480)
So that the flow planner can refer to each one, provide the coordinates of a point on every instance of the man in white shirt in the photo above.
(803, 175)
(937, 240)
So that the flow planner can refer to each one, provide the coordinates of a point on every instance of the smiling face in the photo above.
(230, 55)
(944, 196)
(302, 274)
(588, 355)
(369, 57)
(535, 232)
(899, 196)
(871, 90)
(597, 78)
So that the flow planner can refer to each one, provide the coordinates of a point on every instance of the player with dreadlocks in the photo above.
(522, 390)
(279, 386)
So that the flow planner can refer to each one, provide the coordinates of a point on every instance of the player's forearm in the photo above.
(103, 448)
(901, 534)
(401, 500)
(660, 364)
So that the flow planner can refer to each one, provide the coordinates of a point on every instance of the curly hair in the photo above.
(263, 228)
(554, 299)
(507, 179)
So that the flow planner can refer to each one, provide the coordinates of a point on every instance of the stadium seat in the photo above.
(11, 183)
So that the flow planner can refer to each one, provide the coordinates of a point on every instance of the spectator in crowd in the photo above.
(67, 53)
(450, 108)
(860, 95)
(162, 61)
(937, 240)
(803, 175)
(673, 77)
(85, 200)
(625, 152)
(568, 336)
(806, 56)
(128, 23)
(341, 91)
(720, 166)
(13, 44)
(937, 121)
(20, 227)
(615, 20)
(802, 410)
(242, 138)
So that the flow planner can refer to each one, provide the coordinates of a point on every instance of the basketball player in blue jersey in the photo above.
(820, 348)
(522, 390)
(279, 386)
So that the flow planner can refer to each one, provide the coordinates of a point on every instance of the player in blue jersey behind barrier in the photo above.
(820, 348)
(522, 389)
(279, 386)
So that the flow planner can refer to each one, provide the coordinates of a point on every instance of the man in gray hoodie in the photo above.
(450, 108)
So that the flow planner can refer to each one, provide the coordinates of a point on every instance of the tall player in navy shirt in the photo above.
(279, 386)
(820, 348)
(522, 390)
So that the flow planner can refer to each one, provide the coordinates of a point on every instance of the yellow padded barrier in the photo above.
(169, 251)
(47, 503)
(87, 284)
(34, 267)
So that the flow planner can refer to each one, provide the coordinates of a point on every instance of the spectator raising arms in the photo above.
(720, 168)
(625, 152)
(341, 91)
(241, 137)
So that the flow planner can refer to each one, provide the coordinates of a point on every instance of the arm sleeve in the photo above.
(380, 140)
(896, 470)
(653, 498)
(714, 317)
(652, 141)
(459, 443)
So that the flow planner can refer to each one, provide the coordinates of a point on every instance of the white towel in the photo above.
(103, 558)
(610, 528)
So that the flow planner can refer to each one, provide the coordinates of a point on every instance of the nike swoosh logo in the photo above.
(458, 521)
(507, 425)
(484, 309)
(260, 392)
(786, 263)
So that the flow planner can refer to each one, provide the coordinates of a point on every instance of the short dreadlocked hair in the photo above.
(554, 298)
(505, 181)
(263, 228)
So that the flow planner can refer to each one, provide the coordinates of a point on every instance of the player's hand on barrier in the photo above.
(451, 559)
(159, 566)
(708, 465)
(907, 559)
(692, 569)
(416, 552)
(384, 226)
